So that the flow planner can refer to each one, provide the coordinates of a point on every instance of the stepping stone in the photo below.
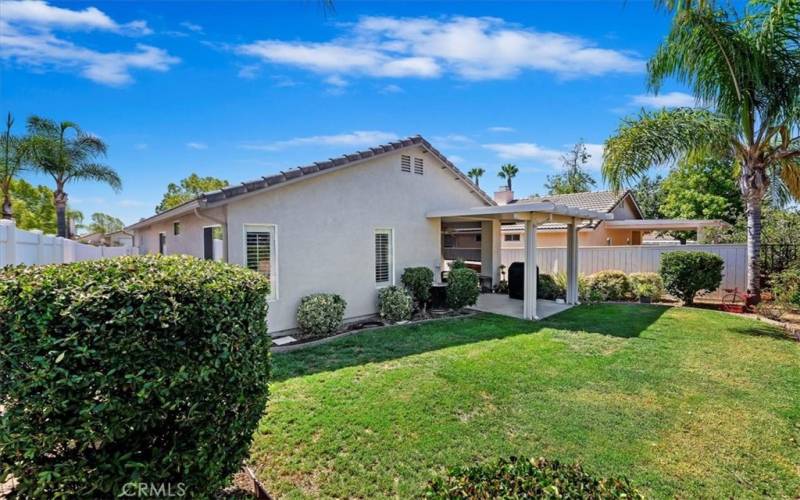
(284, 340)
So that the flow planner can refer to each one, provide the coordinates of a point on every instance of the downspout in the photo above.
(224, 225)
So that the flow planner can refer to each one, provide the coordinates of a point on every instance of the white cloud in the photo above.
(451, 141)
(548, 156)
(500, 129)
(358, 138)
(192, 26)
(336, 81)
(40, 14)
(668, 100)
(467, 47)
(27, 39)
(249, 71)
(392, 89)
(197, 145)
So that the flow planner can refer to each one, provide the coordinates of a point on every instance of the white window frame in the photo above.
(390, 232)
(273, 254)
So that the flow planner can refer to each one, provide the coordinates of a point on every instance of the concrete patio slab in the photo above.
(501, 304)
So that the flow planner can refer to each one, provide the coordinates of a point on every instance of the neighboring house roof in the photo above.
(222, 196)
(598, 201)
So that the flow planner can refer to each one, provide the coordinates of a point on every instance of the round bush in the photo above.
(136, 369)
(686, 274)
(610, 285)
(647, 285)
(418, 281)
(527, 478)
(320, 314)
(462, 288)
(395, 304)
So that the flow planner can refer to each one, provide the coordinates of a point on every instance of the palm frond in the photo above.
(662, 137)
(97, 172)
(790, 177)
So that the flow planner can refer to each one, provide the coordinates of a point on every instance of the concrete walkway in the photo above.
(498, 303)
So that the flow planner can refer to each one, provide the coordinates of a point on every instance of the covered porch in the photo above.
(530, 215)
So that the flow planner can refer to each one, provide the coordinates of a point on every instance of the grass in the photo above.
(684, 402)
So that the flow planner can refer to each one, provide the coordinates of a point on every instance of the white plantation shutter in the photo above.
(405, 163)
(259, 252)
(418, 166)
(383, 256)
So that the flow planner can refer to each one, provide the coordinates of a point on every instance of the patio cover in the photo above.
(533, 214)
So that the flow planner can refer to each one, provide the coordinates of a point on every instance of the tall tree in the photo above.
(15, 154)
(574, 178)
(702, 188)
(68, 154)
(475, 174)
(649, 196)
(104, 223)
(189, 188)
(508, 172)
(746, 68)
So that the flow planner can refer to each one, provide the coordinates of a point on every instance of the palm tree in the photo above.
(747, 70)
(68, 157)
(475, 174)
(508, 172)
(15, 155)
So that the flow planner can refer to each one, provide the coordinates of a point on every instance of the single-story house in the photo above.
(350, 225)
(628, 227)
(119, 238)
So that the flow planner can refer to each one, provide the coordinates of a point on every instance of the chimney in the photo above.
(503, 196)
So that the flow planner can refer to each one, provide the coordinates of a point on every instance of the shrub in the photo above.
(418, 281)
(610, 285)
(462, 288)
(527, 478)
(786, 287)
(686, 274)
(135, 369)
(548, 288)
(647, 285)
(395, 304)
(320, 314)
(458, 264)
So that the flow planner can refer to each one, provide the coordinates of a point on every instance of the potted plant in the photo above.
(646, 292)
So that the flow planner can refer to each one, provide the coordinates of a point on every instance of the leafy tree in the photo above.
(649, 196)
(702, 188)
(781, 227)
(104, 223)
(15, 153)
(745, 67)
(508, 172)
(574, 179)
(475, 174)
(34, 208)
(188, 189)
(67, 154)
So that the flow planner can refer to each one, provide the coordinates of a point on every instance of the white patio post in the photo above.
(490, 250)
(529, 294)
(572, 262)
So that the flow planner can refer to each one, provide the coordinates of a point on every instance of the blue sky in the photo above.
(244, 89)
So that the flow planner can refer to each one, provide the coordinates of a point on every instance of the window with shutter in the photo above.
(383, 257)
(418, 166)
(259, 252)
(405, 163)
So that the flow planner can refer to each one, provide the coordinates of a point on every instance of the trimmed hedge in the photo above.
(610, 285)
(646, 285)
(320, 314)
(462, 288)
(395, 304)
(136, 369)
(527, 478)
(686, 274)
(548, 288)
(418, 281)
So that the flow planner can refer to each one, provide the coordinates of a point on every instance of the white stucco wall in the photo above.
(325, 229)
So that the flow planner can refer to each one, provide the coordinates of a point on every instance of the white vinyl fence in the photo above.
(32, 247)
(635, 259)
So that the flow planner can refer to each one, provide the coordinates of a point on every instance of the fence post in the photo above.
(40, 256)
(8, 254)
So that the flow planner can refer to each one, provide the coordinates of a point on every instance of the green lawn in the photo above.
(684, 402)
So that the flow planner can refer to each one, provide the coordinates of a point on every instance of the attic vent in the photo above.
(405, 163)
(418, 166)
